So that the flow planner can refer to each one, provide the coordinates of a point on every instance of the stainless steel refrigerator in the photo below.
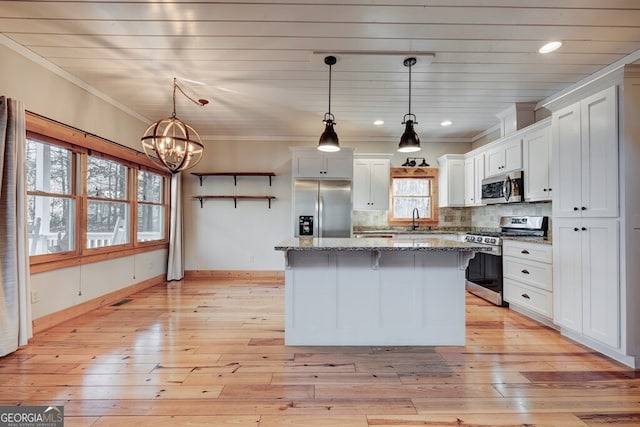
(322, 208)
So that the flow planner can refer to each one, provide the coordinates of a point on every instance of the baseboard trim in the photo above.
(45, 322)
(259, 277)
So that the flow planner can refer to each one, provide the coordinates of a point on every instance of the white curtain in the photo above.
(15, 306)
(175, 262)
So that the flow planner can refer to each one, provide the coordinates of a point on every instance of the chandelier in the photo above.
(171, 143)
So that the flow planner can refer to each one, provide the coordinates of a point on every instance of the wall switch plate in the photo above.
(35, 296)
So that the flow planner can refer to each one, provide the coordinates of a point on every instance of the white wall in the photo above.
(46, 93)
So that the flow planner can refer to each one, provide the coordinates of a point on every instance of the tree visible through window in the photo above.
(151, 209)
(107, 204)
(51, 202)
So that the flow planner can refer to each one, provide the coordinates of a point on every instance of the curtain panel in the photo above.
(15, 305)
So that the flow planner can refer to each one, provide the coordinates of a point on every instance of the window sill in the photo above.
(43, 265)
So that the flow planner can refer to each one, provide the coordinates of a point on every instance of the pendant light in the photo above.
(172, 144)
(409, 141)
(329, 138)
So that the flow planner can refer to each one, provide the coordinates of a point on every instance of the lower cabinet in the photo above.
(586, 273)
(528, 276)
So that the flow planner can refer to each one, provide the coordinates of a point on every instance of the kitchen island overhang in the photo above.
(375, 291)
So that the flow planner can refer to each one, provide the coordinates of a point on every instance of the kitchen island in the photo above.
(375, 291)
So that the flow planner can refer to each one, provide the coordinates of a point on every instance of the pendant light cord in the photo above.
(330, 65)
(201, 102)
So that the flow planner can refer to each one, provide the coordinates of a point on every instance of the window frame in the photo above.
(82, 145)
(415, 173)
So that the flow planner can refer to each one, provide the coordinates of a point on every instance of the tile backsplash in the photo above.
(480, 216)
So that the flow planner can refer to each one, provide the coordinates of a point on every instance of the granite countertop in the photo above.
(379, 244)
(444, 230)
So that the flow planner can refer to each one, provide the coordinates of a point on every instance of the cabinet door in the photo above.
(600, 154)
(567, 273)
(600, 284)
(479, 170)
(494, 161)
(469, 182)
(512, 155)
(452, 186)
(338, 165)
(537, 160)
(308, 165)
(380, 184)
(566, 157)
(361, 184)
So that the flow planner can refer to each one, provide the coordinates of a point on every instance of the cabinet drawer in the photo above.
(532, 273)
(527, 250)
(528, 297)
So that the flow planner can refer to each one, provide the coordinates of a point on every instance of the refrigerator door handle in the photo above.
(320, 215)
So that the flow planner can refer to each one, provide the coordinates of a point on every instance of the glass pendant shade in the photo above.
(409, 141)
(172, 144)
(329, 138)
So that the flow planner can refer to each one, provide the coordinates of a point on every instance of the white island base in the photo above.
(375, 298)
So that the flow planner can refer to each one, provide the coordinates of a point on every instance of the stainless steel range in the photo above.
(484, 273)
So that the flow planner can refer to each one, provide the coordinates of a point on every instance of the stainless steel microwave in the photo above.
(507, 188)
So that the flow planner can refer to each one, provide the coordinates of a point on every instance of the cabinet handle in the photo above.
(525, 271)
(525, 296)
(584, 228)
(524, 251)
(576, 229)
(544, 189)
(575, 208)
(550, 189)
(584, 208)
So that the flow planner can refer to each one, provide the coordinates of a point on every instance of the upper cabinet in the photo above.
(371, 182)
(585, 152)
(504, 157)
(473, 176)
(308, 162)
(536, 154)
(451, 180)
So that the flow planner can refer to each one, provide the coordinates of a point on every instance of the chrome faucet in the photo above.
(414, 215)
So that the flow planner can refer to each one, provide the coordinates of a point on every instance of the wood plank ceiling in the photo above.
(263, 70)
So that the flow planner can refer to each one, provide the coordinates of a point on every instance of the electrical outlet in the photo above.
(35, 296)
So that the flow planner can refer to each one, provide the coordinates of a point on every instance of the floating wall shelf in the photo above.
(235, 199)
(235, 175)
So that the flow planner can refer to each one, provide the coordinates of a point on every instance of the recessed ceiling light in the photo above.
(378, 122)
(550, 47)
(446, 123)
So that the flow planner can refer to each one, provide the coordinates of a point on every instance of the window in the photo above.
(414, 188)
(89, 198)
(151, 206)
(51, 198)
(107, 204)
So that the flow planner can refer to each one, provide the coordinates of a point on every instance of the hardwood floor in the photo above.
(199, 353)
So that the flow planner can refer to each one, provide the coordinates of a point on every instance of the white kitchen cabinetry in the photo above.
(586, 265)
(504, 157)
(371, 182)
(528, 277)
(536, 152)
(451, 180)
(473, 176)
(585, 152)
(308, 162)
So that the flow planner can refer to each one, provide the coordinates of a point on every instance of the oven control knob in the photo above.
(491, 240)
